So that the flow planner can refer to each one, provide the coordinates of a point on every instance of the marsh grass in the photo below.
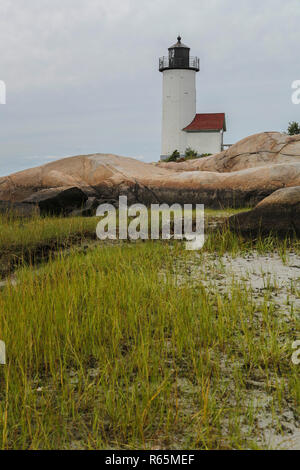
(28, 241)
(107, 350)
(104, 352)
(16, 233)
(32, 240)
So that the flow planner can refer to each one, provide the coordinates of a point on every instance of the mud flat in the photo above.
(272, 283)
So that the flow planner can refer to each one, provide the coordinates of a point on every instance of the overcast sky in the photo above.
(82, 75)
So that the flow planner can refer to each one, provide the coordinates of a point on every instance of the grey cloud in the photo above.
(82, 76)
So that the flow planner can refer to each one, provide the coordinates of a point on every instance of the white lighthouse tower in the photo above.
(179, 96)
(181, 126)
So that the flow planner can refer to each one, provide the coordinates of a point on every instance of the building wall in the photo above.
(179, 109)
(205, 142)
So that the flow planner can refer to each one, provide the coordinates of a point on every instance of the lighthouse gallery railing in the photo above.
(179, 63)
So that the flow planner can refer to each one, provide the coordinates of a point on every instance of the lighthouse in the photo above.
(181, 126)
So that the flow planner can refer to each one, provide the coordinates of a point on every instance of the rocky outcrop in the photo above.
(265, 149)
(242, 176)
(57, 200)
(237, 189)
(278, 213)
(89, 208)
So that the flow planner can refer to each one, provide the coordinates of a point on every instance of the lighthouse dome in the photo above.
(179, 58)
(179, 44)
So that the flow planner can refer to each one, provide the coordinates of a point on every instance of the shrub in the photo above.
(174, 157)
(294, 128)
(190, 154)
(204, 155)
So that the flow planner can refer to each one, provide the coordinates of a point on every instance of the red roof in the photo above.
(207, 122)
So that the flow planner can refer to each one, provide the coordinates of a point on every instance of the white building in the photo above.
(181, 126)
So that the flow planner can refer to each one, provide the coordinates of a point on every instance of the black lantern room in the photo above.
(179, 58)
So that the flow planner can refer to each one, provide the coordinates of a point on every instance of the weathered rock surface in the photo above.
(242, 176)
(265, 149)
(57, 200)
(88, 209)
(278, 213)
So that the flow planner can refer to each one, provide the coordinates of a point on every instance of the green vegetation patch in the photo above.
(116, 348)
